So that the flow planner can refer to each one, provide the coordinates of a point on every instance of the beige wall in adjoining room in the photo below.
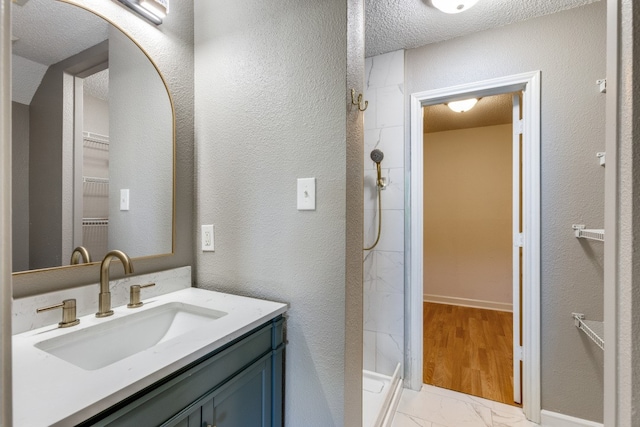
(467, 214)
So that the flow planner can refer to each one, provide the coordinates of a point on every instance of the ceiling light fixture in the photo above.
(153, 10)
(462, 106)
(453, 6)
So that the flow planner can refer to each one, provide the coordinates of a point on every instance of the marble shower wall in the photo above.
(384, 265)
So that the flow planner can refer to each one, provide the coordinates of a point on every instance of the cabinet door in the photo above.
(192, 418)
(245, 401)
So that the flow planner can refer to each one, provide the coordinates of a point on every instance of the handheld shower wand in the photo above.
(377, 156)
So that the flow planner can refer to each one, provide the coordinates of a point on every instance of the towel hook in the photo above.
(359, 101)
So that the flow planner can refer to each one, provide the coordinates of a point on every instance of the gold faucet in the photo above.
(104, 298)
(78, 252)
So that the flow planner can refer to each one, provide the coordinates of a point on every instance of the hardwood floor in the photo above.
(469, 350)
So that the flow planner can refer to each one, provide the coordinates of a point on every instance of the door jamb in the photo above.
(529, 83)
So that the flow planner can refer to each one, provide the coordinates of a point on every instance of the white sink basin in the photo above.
(105, 343)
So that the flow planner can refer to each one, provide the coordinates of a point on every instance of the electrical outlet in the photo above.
(207, 238)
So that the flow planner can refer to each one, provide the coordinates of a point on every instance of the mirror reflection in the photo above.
(92, 140)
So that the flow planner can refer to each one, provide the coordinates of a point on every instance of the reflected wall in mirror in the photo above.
(91, 117)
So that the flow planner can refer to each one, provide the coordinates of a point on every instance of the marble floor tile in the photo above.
(443, 410)
(438, 407)
(404, 420)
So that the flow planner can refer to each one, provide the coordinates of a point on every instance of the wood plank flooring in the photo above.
(469, 350)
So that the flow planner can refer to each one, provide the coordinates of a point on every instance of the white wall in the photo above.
(467, 217)
(271, 103)
(569, 49)
(384, 265)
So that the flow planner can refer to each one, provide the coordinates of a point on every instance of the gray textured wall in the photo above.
(569, 49)
(20, 185)
(95, 115)
(45, 170)
(171, 47)
(271, 108)
(140, 152)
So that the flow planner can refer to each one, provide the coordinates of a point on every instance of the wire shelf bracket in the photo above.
(582, 232)
(593, 329)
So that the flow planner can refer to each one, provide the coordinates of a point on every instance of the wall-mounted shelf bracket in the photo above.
(602, 156)
(588, 233)
(592, 328)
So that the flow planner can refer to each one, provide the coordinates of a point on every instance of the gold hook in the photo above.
(359, 101)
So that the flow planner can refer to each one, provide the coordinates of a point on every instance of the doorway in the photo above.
(471, 183)
(529, 84)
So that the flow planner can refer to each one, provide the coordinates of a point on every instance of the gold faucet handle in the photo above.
(134, 295)
(68, 312)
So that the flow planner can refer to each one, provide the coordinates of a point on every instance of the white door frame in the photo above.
(529, 83)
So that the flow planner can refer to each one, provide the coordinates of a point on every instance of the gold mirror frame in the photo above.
(173, 137)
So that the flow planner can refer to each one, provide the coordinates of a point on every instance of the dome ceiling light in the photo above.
(453, 6)
(462, 106)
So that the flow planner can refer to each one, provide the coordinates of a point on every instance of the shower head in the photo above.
(377, 156)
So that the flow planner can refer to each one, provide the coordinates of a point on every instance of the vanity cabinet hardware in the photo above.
(134, 295)
(68, 312)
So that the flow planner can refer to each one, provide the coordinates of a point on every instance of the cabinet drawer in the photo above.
(164, 399)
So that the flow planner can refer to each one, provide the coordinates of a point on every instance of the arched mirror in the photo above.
(93, 140)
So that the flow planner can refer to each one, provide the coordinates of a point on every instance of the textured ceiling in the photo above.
(45, 33)
(97, 85)
(489, 111)
(405, 24)
(49, 31)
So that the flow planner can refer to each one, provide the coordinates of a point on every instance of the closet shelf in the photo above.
(588, 233)
(95, 179)
(593, 329)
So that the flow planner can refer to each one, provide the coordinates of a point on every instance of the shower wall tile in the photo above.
(392, 235)
(383, 268)
(393, 194)
(390, 106)
(370, 113)
(370, 190)
(384, 313)
(389, 352)
(391, 142)
(369, 271)
(390, 272)
(371, 142)
(370, 226)
(384, 70)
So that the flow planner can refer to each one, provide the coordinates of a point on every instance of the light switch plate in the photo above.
(124, 199)
(306, 194)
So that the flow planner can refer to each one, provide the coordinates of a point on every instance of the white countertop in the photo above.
(48, 391)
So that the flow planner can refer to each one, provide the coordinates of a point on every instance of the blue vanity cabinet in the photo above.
(243, 401)
(239, 385)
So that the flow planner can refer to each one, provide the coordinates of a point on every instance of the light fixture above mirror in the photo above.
(153, 10)
(453, 6)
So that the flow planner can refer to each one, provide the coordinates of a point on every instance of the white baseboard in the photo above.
(467, 302)
(554, 419)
